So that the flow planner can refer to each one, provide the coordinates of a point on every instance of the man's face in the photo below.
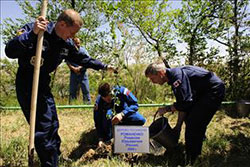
(108, 98)
(77, 42)
(156, 79)
(65, 32)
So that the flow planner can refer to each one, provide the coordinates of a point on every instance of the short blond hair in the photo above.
(154, 68)
(70, 17)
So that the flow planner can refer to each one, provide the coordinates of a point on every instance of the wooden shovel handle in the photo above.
(35, 87)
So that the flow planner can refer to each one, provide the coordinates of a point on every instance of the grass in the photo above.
(227, 143)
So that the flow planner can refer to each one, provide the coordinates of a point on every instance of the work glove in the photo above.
(101, 143)
(117, 118)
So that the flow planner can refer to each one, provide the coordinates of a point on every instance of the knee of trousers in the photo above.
(48, 140)
(135, 119)
(194, 133)
(141, 121)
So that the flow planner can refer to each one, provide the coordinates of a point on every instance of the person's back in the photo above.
(201, 81)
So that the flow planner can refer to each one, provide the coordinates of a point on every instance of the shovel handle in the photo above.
(34, 93)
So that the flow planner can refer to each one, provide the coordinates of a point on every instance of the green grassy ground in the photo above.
(227, 143)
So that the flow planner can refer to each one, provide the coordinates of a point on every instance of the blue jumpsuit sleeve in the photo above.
(98, 118)
(183, 93)
(19, 45)
(82, 58)
(131, 103)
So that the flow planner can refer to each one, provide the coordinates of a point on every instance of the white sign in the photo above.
(131, 139)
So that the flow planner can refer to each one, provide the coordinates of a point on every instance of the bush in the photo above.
(15, 153)
(131, 77)
(8, 71)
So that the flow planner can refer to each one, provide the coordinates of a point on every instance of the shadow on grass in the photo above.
(238, 155)
(171, 158)
(87, 141)
(231, 110)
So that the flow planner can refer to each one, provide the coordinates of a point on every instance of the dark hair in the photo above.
(104, 89)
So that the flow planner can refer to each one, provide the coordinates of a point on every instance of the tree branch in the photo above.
(143, 34)
(223, 43)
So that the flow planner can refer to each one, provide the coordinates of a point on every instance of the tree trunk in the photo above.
(235, 43)
(191, 51)
(73, 4)
(234, 65)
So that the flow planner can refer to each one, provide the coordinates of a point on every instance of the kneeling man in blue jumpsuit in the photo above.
(198, 93)
(57, 46)
(115, 105)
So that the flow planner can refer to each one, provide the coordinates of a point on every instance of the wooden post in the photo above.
(35, 87)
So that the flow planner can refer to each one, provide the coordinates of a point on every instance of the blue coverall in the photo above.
(81, 79)
(54, 51)
(199, 93)
(124, 101)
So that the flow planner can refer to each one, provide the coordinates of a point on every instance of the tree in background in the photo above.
(224, 22)
(131, 33)
(7, 81)
(194, 23)
(151, 19)
(235, 36)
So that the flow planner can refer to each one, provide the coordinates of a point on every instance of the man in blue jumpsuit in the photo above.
(198, 93)
(113, 106)
(79, 75)
(57, 46)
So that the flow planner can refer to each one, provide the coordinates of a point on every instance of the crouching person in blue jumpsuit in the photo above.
(198, 93)
(57, 46)
(114, 106)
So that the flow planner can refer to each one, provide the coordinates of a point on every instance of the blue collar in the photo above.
(169, 76)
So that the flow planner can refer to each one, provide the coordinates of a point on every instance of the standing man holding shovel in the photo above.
(57, 46)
